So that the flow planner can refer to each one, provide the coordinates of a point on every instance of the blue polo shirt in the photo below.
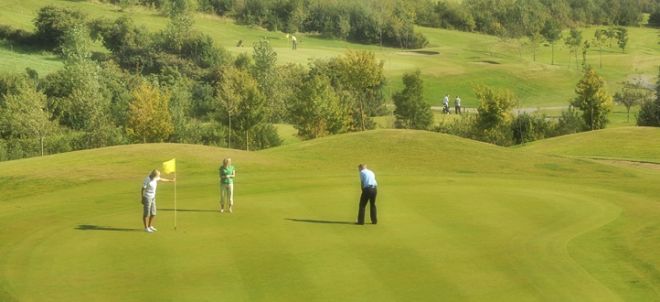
(368, 178)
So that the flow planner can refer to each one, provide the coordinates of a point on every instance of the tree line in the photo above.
(174, 85)
(391, 22)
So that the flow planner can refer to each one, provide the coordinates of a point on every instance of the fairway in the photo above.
(458, 221)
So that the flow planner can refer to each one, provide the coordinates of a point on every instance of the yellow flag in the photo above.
(169, 166)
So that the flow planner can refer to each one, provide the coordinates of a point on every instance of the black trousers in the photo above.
(368, 195)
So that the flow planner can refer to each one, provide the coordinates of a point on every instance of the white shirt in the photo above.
(367, 178)
(149, 187)
(446, 101)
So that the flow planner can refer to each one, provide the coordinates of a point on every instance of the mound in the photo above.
(629, 143)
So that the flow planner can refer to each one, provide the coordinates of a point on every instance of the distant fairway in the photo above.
(452, 64)
(459, 221)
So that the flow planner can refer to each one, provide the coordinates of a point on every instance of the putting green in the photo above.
(458, 220)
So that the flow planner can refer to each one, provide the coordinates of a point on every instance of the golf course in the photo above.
(459, 221)
(534, 215)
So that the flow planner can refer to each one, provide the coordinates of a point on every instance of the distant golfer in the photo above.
(457, 105)
(369, 191)
(148, 197)
(294, 42)
(227, 174)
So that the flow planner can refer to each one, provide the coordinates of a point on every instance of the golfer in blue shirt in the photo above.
(369, 191)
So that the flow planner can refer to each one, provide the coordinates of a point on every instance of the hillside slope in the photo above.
(628, 143)
(459, 220)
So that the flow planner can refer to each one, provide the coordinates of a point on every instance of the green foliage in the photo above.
(494, 115)
(654, 19)
(463, 125)
(632, 94)
(494, 107)
(265, 73)
(412, 112)
(76, 45)
(388, 22)
(243, 109)
(529, 127)
(316, 110)
(361, 75)
(593, 100)
(23, 114)
(149, 118)
(130, 44)
(569, 122)
(552, 32)
(622, 37)
(52, 22)
(649, 113)
(573, 41)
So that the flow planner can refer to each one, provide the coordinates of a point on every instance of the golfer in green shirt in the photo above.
(227, 174)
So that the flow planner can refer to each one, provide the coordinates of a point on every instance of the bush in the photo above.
(649, 114)
(17, 36)
(569, 122)
(654, 19)
(52, 22)
(529, 127)
(463, 125)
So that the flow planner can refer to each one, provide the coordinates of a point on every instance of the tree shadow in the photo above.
(320, 221)
(187, 210)
(91, 227)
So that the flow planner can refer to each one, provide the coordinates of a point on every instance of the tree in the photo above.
(622, 37)
(649, 113)
(52, 22)
(412, 112)
(228, 98)
(23, 115)
(179, 28)
(600, 39)
(363, 76)
(585, 50)
(316, 110)
(494, 114)
(552, 32)
(633, 93)
(592, 99)
(149, 118)
(535, 39)
(573, 41)
(264, 71)
(240, 99)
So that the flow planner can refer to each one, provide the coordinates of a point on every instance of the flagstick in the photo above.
(175, 201)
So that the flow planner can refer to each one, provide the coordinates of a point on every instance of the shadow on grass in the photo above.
(187, 210)
(91, 227)
(319, 221)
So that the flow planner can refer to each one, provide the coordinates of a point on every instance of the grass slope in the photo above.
(627, 143)
(462, 60)
(459, 220)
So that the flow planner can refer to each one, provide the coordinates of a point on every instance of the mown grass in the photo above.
(630, 143)
(459, 220)
(463, 60)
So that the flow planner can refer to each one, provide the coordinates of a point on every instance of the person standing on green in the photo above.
(227, 175)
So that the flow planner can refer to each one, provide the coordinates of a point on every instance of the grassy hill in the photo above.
(459, 220)
(629, 143)
(452, 64)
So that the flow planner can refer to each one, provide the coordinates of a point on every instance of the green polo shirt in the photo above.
(229, 170)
